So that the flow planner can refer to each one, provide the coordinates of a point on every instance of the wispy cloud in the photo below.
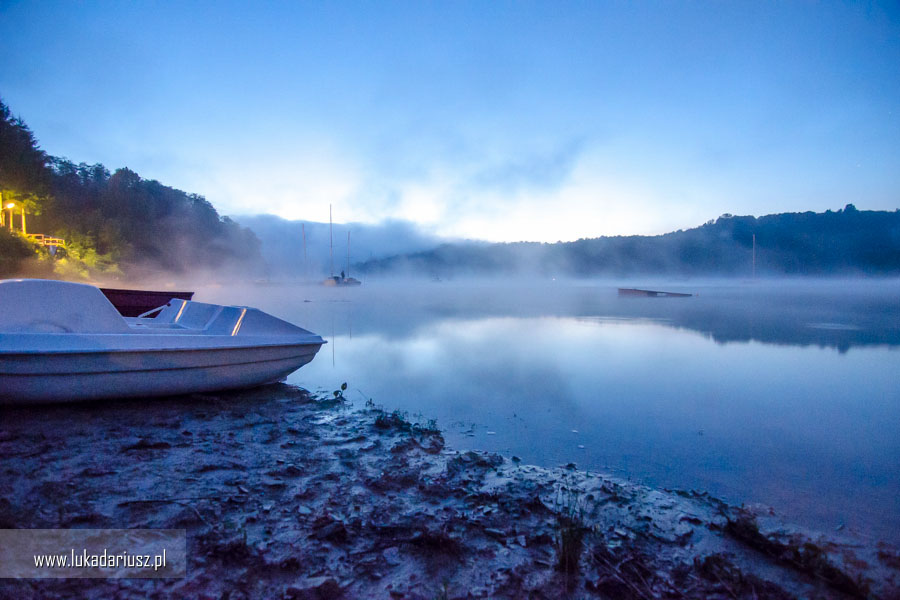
(536, 170)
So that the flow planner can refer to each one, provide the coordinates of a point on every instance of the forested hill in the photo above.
(843, 242)
(115, 225)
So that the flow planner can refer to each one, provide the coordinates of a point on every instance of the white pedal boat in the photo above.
(64, 342)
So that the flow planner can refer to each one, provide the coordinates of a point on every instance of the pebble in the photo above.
(392, 555)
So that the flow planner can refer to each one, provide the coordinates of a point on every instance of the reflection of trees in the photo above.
(823, 315)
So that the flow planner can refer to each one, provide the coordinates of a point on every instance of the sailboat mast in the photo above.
(348, 253)
(754, 256)
(305, 263)
(331, 235)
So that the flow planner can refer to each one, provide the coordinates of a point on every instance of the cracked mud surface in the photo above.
(283, 495)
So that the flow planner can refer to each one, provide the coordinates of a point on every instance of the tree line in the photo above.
(843, 242)
(116, 225)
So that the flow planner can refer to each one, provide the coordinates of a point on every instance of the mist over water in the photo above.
(785, 393)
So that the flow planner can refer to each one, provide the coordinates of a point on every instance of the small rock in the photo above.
(333, 532)
(315, 588)
(392, 555)
(147, 445)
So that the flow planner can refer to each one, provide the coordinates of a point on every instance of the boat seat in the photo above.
(215, 319)
(211, 318)
(45, 306)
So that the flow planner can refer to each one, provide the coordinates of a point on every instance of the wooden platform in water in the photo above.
(651, 293)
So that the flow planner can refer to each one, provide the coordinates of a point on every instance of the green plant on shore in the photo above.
(399, 419)
(572, 528)
(442, 593)
(393, 420)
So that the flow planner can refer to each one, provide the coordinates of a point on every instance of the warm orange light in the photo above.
(10, 205)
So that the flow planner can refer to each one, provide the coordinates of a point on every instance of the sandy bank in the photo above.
(286, 496)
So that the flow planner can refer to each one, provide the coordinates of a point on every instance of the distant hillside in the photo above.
(846, 242)
(282, 243)
(115, 226)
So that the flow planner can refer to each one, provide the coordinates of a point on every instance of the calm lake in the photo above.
(782, 393)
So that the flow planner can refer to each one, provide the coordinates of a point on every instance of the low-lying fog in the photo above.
(782, 392)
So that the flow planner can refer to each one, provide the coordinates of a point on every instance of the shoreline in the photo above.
(285, 495)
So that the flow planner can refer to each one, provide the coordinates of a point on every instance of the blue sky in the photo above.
(494, 120)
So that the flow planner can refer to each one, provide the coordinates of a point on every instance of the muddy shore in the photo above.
(285, 495)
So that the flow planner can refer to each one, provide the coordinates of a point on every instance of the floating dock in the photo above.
(651, 293)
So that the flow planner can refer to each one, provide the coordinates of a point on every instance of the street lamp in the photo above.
(10, 206)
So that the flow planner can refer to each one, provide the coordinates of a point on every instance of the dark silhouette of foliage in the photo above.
(847, 241)
(23, 165)
(24, 177)
(14, 251)
(118, 220)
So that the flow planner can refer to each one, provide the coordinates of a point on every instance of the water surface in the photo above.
(780, 393)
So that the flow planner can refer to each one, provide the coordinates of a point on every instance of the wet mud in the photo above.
(286, 495)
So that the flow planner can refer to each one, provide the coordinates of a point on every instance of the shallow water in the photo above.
(780, 393)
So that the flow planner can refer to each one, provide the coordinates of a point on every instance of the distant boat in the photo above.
(651, 293)
(338, 280)
(65, 342)
(133, 303)
(335, 280)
